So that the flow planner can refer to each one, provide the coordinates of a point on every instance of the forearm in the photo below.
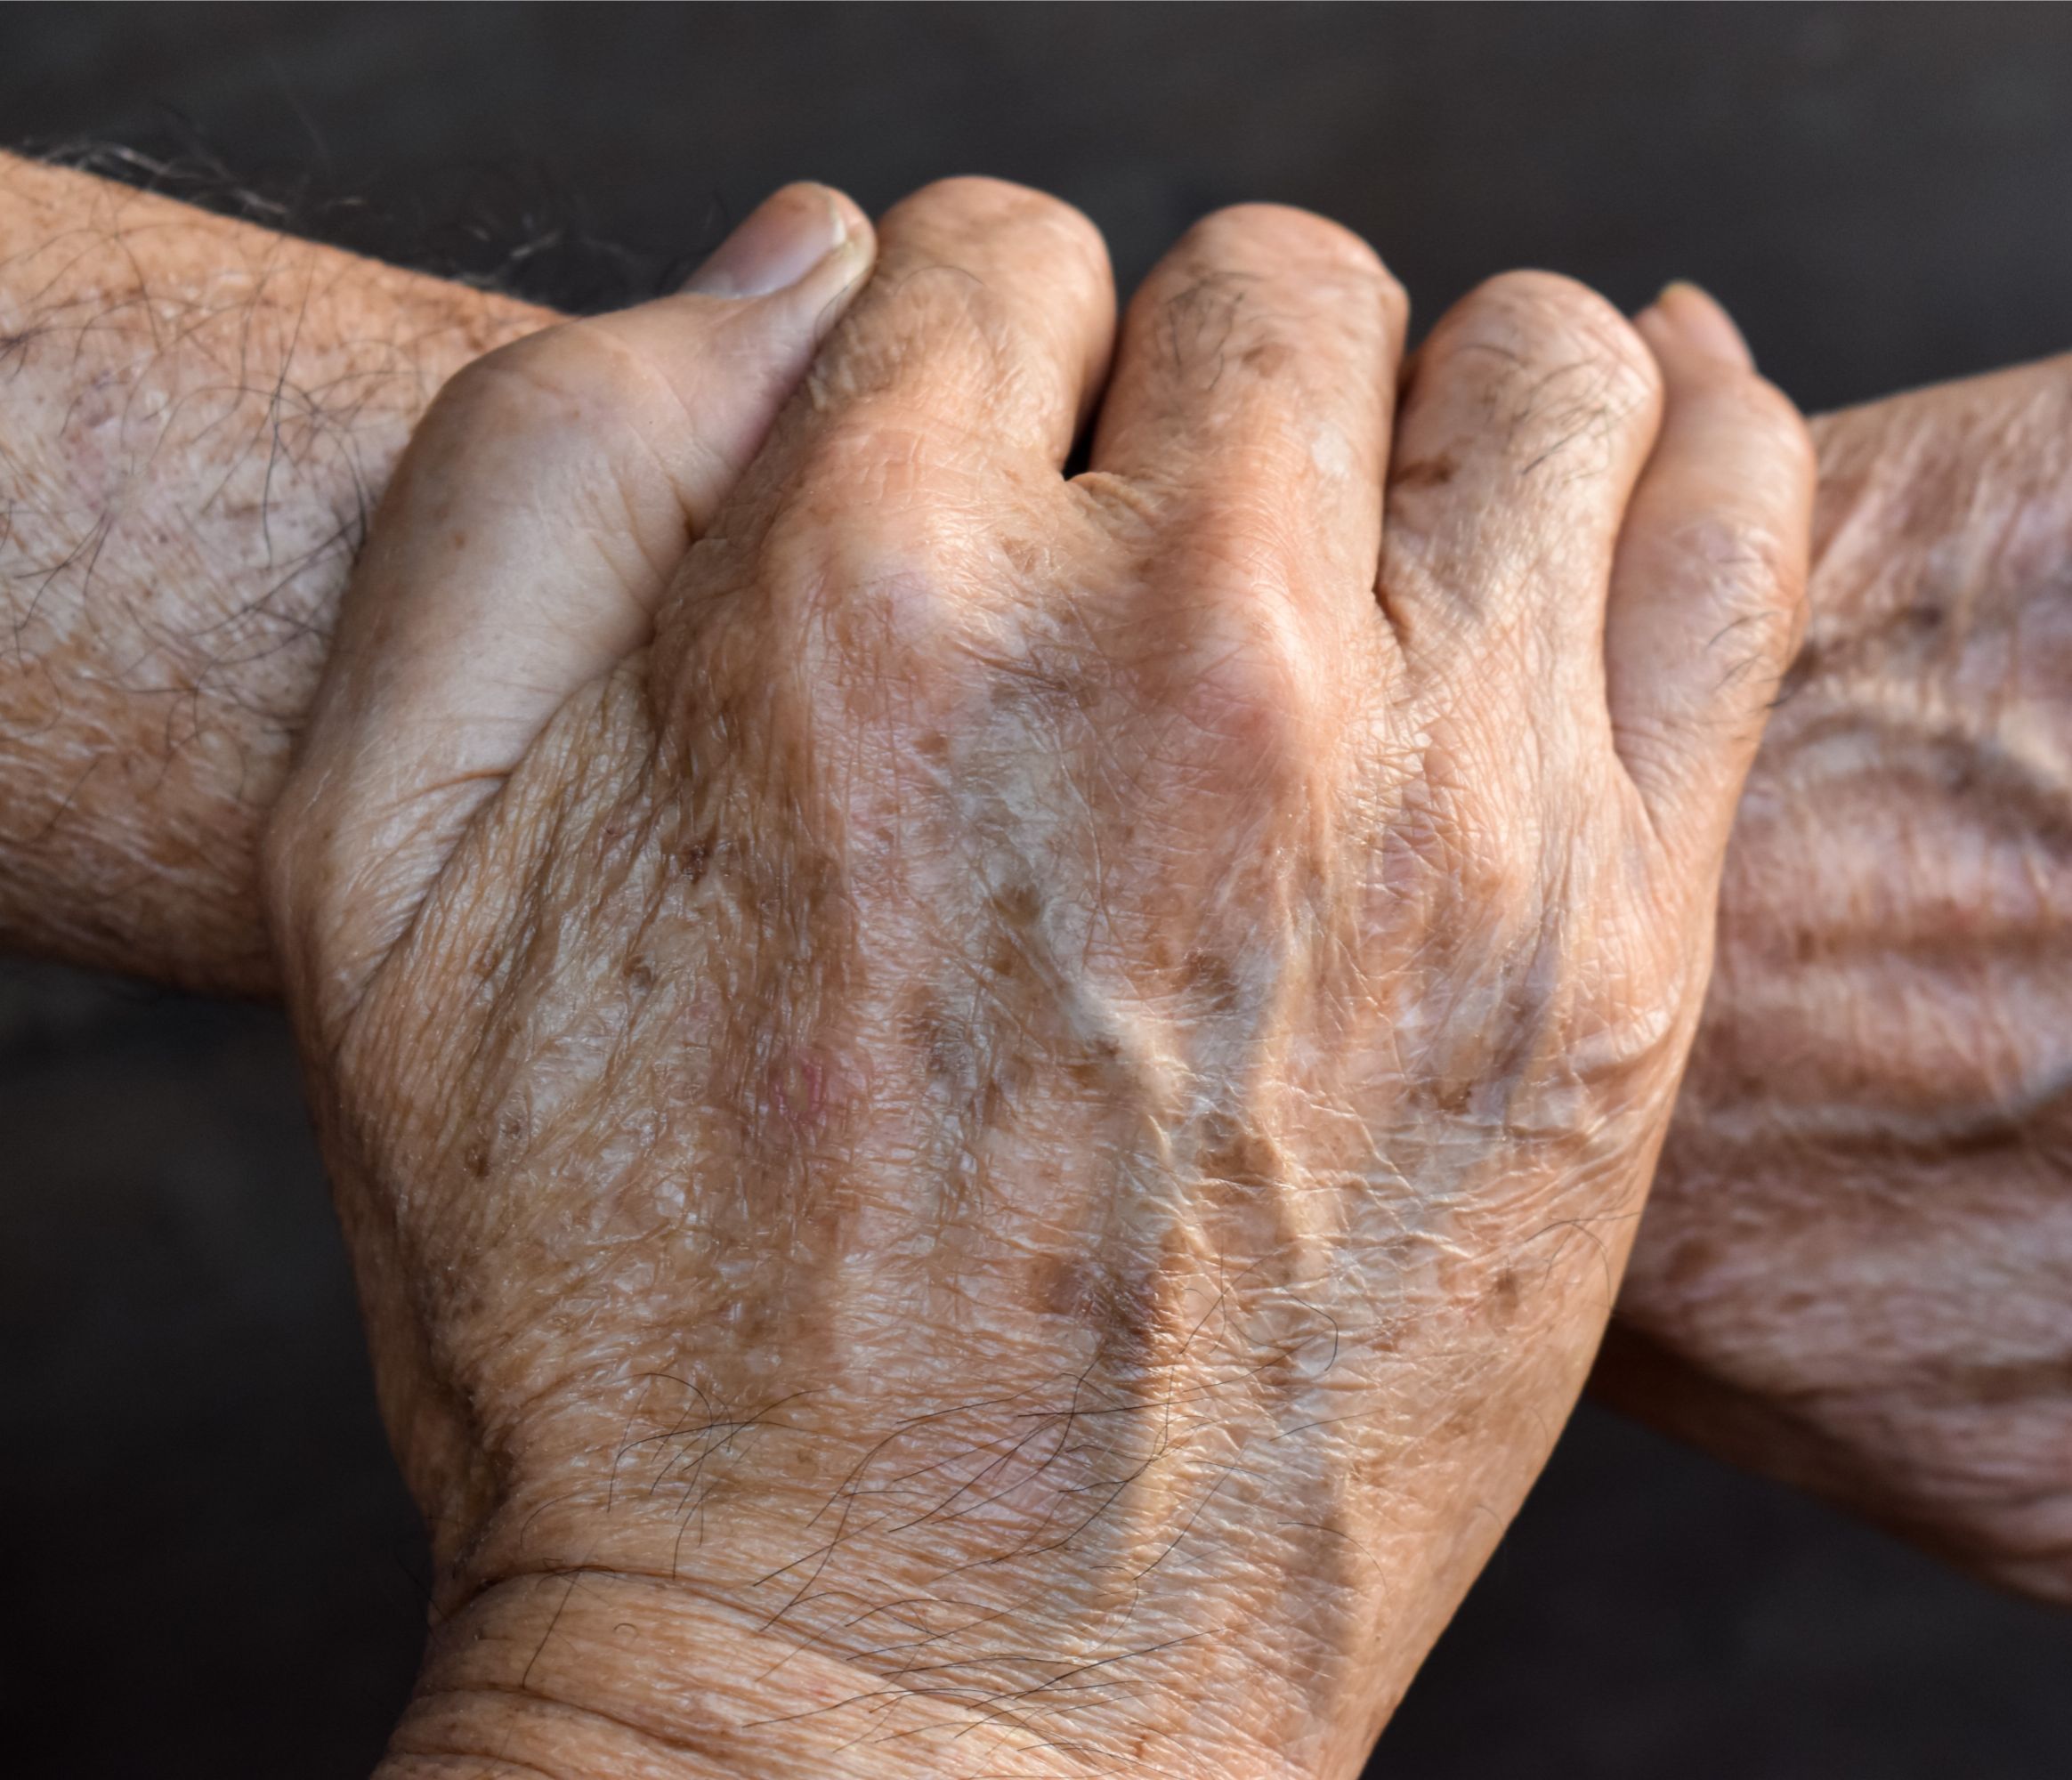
(196, 416)
(1852, 1270)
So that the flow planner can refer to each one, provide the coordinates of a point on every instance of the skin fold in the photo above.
(200, 413)
(1001, 1147)
(1856, 1272)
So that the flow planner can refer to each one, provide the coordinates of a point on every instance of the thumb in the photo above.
(533, 524)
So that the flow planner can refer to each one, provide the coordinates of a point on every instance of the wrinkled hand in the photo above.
(1857, 1269)
(1002, 1150)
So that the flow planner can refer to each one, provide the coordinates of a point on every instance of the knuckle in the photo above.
(1249, 684)
(1228, 546)
(953, 210)
(864, 539)
(1276, 235)
(1341, 279)
(885, 451)
(1247, 675)
(1545, 319)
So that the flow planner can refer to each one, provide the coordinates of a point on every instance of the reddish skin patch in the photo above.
(810, 1089)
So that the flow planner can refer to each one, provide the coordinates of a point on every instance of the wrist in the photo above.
(576, 1673)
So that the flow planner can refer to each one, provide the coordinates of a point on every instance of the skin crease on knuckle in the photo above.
(1010, 1126)
(1600, 376)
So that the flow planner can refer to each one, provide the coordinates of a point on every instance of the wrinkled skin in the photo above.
(1003, 1152)
(128, 838)
(1856, 1272)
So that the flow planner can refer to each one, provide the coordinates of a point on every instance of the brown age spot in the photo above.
(640, 974)
(1268, 358)
(1124, 1304)
(1465, 1412)
(1026, 558)
(1505, 1294)
(1210, 975)
(693, 858)
(1008, 960)
(1232, 1153)
(1018, 906)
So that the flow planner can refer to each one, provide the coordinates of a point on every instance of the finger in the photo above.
(1254, 385)
(1709, 587)
(1525, 422)
(535, 520)
(982, 337)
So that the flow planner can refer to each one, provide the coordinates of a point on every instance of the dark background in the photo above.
(210, 1568)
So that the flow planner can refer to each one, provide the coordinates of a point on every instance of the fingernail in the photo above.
(1700, 321)
(788, 235)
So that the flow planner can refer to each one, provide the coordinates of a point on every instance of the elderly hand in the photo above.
(1857, 1269)
(989, 1118)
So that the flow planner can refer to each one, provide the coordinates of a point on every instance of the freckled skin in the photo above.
(981, 1159)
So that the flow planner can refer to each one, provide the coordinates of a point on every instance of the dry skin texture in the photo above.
(1002, 1153)
(1832, 1282)
(1857, 1267)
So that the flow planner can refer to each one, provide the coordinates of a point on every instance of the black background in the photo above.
(210, 1568)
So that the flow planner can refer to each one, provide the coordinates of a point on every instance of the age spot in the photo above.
(692, 860)
(1126, 1308)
